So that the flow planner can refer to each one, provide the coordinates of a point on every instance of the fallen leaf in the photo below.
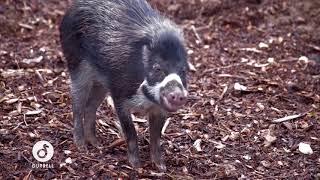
(260, 106)
(265, 163)
(190, 51)
(246, 157)
(239, 87)
(305, 148)
(197, 145)
(218, 145)
(68, 160)
(234, 135)
(269, 138)
(32, 135)
(270, 60)
(34, 60)
(67, 152)
(191, 67)
(263, 45)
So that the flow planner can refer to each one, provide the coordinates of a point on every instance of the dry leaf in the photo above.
(260, 106)
(191, 67)
(263, 45)
(34, 60)
(190, 51)
(68, 160)
(239, 87)
(218, 145)
(197, 145)
(265, 163)
(67, 152)
(305, 148)
(234, 135)
(270, 60)
(269, 138)
(246, 157)
(32, 135)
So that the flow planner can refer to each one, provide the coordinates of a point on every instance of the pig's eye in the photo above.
(156, 67)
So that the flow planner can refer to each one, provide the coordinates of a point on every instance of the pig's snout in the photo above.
(172, 100)
(177, 98)
(173, 94)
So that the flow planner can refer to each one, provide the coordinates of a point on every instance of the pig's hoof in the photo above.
(82, 147)
(93, 140)
(81, 144)
(161, 167)
(135, 162)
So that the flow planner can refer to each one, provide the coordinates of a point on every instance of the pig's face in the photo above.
(165, 82)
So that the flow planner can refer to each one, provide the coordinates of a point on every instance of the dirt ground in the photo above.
(254, 62)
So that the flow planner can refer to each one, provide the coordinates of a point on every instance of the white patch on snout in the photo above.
(139, 103)
(171, 77)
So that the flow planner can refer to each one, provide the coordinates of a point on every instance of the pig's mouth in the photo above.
(169, 106)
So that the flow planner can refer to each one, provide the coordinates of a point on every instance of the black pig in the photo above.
(127, 49)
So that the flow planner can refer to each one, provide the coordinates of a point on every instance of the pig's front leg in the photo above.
(156, 120)
(129, 131)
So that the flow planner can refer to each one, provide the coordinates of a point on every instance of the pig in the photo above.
(127, 49)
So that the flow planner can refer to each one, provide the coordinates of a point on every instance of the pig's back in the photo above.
(108, 33)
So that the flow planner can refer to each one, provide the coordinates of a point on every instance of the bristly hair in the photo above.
(132, 21)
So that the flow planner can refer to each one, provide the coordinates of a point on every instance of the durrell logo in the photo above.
(42, 151)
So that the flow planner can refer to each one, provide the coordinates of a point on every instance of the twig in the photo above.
(39, 76)
(25, 158)
(17, 126)
(223, 92)
(117, 142)
(196, 33)
(314, 47)
(287, 118)
(165, 126)
(232, 76)
(26, 26)
(24, 119)
(91, 159)
(251, 50)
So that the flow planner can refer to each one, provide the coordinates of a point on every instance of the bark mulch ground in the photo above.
(254, 62)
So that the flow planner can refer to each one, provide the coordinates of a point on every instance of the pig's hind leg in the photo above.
(96, 96)
(81, 84)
